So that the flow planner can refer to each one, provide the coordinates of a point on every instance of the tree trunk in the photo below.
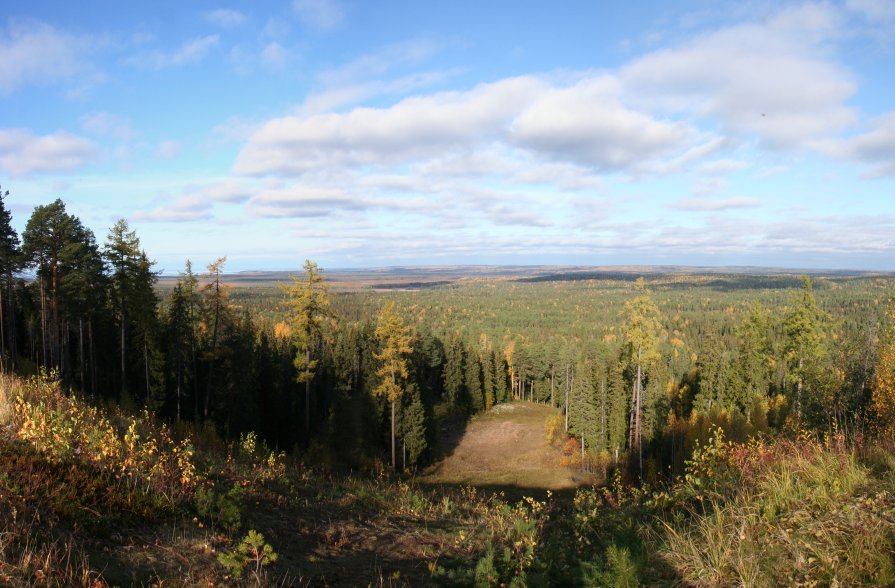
(214, 345)
(308, 396)
(393, 435)
(123, 353)
(146, 366)
(566, 402)
(12, 319)
(92, 357)
(81, 354)
(43, 322)
(552, 384)
(638, 423)
(2, 335)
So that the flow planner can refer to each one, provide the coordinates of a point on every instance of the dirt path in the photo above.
(505, 447)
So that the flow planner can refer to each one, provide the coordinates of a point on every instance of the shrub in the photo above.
(252, 553)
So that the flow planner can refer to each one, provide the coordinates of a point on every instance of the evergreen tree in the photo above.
(413, 424)
(181, 324)
(454, 379)
(805, 344)
(10, 262)
(216, 311)
(488, 379)
(133, 290)
(501, 391)
(473, 381)
(68, 265)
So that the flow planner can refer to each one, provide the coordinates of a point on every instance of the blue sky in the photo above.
(403, 133)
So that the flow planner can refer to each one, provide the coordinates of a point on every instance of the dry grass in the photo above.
(506, 447)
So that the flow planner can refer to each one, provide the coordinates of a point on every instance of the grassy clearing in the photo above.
(506, 447)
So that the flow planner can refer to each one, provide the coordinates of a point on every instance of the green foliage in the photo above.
(252, 553)
(223, 508)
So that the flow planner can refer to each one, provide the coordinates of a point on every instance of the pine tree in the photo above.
(394, 347)
(805, 343)
(308, 302)
(133, 288)
(10, 262)
(216, 307)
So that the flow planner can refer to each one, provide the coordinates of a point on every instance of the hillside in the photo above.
(99, 497)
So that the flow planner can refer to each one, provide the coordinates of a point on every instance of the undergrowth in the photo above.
(86, 492)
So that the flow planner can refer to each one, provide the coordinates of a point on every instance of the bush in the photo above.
(253, 553)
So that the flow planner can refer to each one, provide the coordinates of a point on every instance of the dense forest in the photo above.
(696, 408)
(641, 368)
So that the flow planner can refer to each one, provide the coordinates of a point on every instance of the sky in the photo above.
(369, 134)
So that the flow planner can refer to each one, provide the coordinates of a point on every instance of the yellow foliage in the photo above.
(884, 388)
(282, 330)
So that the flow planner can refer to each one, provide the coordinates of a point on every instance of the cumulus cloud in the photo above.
(24, 154)
(413, 129)
(319, 14)
(583, 124)
(772, 79)
(227, 18)
(33, 52)
(197, 204)
(587, 124)
(191, 51)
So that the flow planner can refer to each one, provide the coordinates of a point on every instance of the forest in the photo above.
(658, 381)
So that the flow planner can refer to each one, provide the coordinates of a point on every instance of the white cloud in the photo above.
(587, 124)
(366, 76)
(227, 18)
(873, 9)
(319, 14)
(303, 202)
(32, 52)
(274, 55)
(773, 79)
(197, 204)
(23, 154)
(191, 51)
(709, 204)
(167, 150)
(105, 124)
(413, 129)
(875, 147)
